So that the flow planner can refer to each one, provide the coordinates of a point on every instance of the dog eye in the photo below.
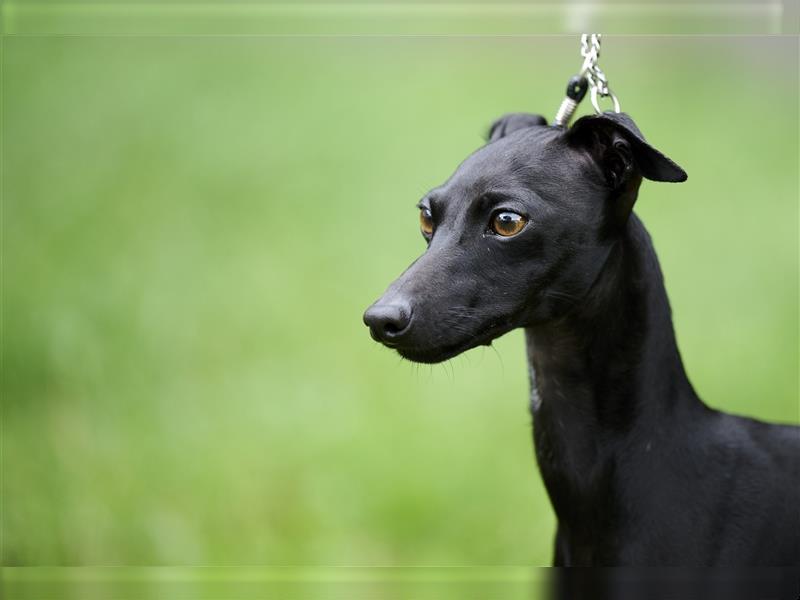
(426, 221)
(508, 223)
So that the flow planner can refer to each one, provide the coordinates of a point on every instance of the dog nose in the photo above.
(388, 322)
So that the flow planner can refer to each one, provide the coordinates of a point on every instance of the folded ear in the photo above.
(512, 122)
(620, 149)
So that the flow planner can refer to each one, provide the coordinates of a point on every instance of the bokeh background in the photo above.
(192, 227)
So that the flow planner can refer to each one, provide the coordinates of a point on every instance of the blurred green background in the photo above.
(192, 227)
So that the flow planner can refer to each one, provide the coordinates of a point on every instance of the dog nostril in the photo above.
(391, 329)
(398, 321)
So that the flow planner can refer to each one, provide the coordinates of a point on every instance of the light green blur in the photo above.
(192, 227)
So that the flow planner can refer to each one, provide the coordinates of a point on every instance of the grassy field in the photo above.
(192, 228)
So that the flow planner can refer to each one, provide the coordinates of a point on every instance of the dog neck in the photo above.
(605, 380)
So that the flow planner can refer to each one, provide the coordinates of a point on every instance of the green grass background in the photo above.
(192, 227)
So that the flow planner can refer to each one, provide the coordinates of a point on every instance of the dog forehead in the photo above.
(506, 162)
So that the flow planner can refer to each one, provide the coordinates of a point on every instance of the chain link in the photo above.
(591, 76)
(598, 82)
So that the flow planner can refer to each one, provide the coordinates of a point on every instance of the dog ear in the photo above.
(512, 122)
(620, 149)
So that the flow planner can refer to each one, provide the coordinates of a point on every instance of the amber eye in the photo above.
(508, 223)
(426, 221)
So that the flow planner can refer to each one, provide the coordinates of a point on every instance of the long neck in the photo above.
(604, 377)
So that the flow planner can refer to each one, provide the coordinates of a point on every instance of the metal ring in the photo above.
(610, 94)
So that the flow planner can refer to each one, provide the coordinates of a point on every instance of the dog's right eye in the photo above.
(507, 223)
(426, 221)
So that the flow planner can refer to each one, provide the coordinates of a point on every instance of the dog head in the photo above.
(518, 234)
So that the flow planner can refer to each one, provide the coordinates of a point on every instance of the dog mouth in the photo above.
(430, 355)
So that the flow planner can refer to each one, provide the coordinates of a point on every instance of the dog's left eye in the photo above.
(426, 221)
(507, 223)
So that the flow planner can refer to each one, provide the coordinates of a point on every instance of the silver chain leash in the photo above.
(591, 77)
(598, 82)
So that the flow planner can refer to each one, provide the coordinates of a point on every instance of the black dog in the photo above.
(536, 230)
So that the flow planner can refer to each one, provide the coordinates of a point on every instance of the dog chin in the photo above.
(439, 354)
(432, 356)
